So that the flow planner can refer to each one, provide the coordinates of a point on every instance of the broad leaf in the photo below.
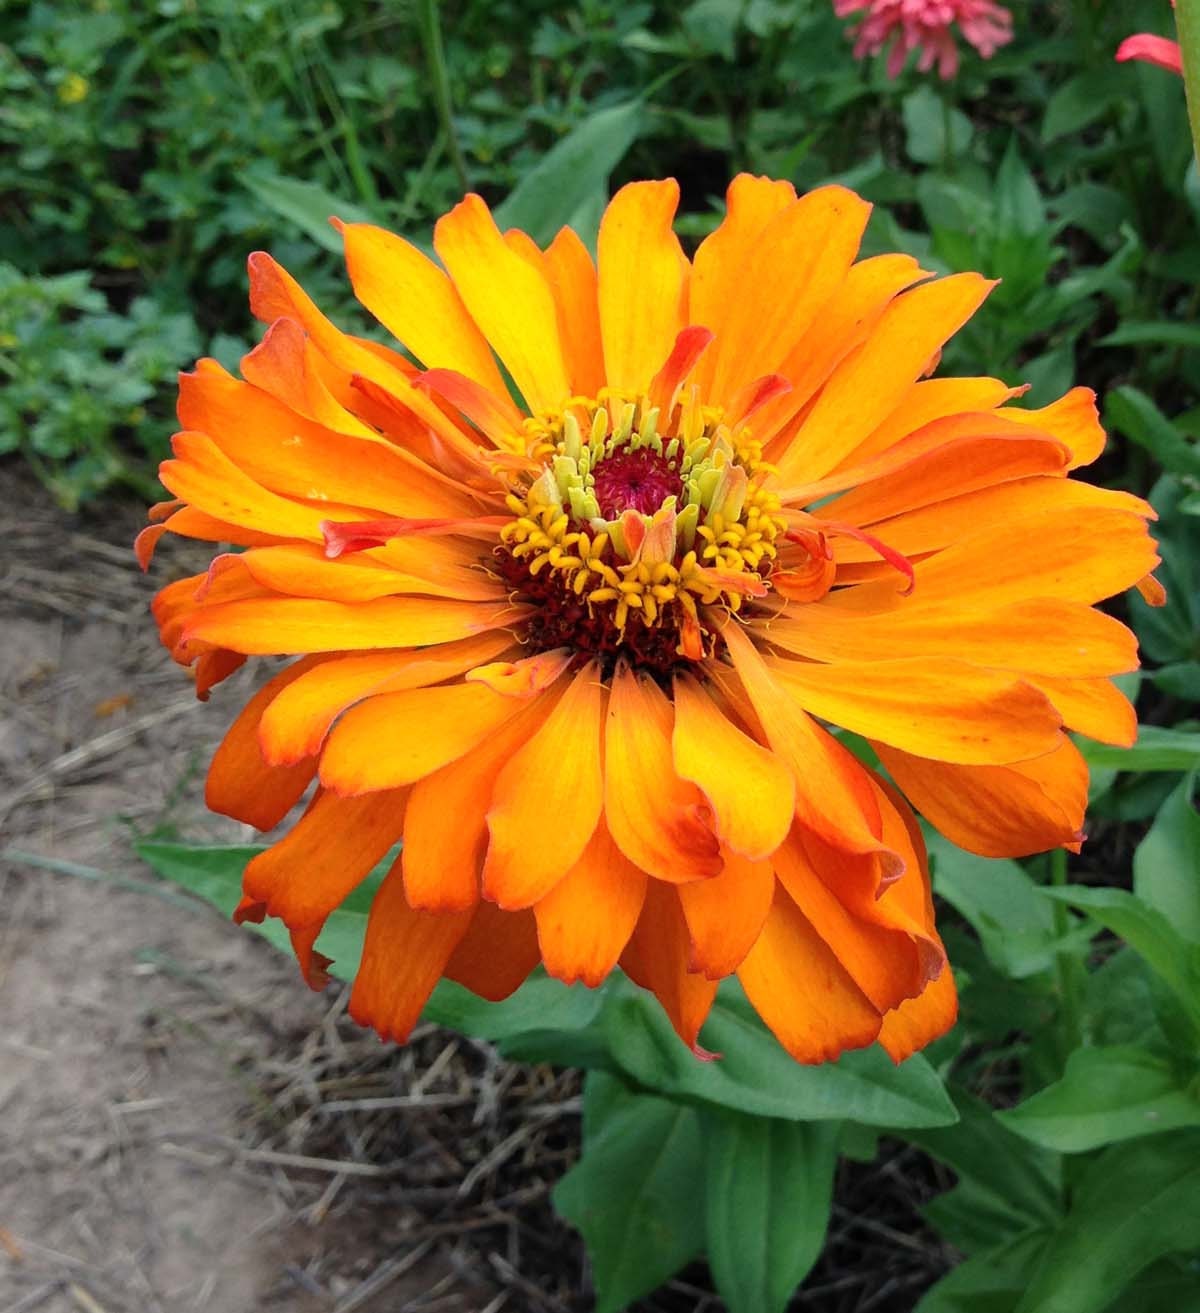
(1000, 900)
(637, 1193)
(1079, 101)
(1019, 208)
(1166, 865)
(1156, 749)
(563, 183)
(933, 132)
(992, 1282)
(1165, 1287)
(1136, 1203)
(212, 872)
(541, 1004)
(1010, 1184)
(754, 1075)
(215, 874)
(1105, 1095)
(1174, 959)
(308, 206)
(768, 1191)
(1134, 414)
(1119, 1003)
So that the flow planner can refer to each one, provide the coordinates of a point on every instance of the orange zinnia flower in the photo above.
(582, 651)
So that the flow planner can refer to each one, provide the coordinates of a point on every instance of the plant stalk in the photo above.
(435, 53)
(1187, 18)
(1066, 967)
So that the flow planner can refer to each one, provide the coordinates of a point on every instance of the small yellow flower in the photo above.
(73, 88)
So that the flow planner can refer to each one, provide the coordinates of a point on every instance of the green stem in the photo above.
(947, 135)
(431, 30)
(1067, 969)
(1187, 18)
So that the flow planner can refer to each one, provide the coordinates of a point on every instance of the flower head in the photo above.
(582, 642)
(926, 25)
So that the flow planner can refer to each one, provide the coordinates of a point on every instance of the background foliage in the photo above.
(145, 148)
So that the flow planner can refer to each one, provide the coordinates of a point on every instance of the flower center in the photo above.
(635, 480)
(640, 531)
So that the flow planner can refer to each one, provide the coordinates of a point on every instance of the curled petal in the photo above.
(1157, 50)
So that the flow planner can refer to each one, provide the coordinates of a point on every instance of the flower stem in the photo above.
(1067, 969)
(1187, 18)
(431, 31)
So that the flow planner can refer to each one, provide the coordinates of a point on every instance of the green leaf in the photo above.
(1080, 100)
(1167, 861)
(1158, 332)
(1135, 1203)
(1019, 207)
(543, 1019)
(1181, 680)
(754, 1075)
(1001, 901)
(307, 205)
(1120, 1001)
(1161, 1288)
(1145, 929)
(934, 133)
(990, 1282)
(1157, 749)
(712, 26)
(1099, 211)
(571, 173)
(1049, 375)
(768, 1192)
(541, 1004)
(1010, 1183)
(637, 1193)
(1172, 632)
(214, 873)
(1134, 414)
(1105, 1095)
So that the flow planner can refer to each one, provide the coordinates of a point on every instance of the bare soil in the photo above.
(184, 1126)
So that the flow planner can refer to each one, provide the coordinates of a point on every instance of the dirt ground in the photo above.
(184, 1126)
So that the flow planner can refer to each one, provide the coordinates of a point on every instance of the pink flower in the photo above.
(925, 25)
(1153, 50)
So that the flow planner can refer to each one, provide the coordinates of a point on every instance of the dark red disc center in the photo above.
(638, 480)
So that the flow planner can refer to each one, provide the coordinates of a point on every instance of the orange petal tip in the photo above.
(1151, 591)
(250, 909)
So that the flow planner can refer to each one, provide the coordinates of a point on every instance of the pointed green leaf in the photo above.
(571, 172)
(637, 1194)
(991, 1282)
(1134, 414)
(1157, 749)
(1020, 1180)
(308, 206)
(1136, 1203)
(754, 1075)
(1166, 865)
(1000, 900)
(768, 1191)
(214, 873)
(541, 1004)
(1019, 208)
(1105, 1095)
(1146, 930)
